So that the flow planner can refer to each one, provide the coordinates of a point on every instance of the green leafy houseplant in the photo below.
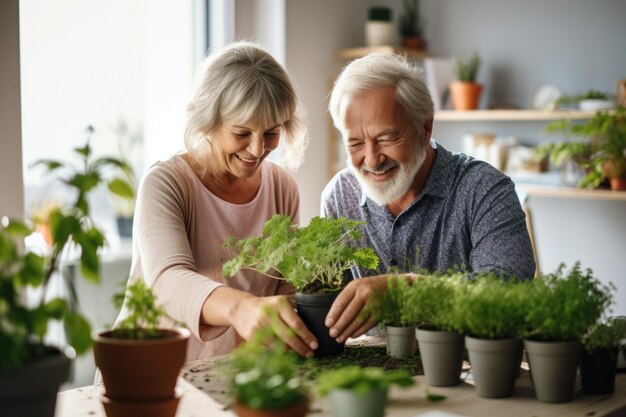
(394, 306)
(356, 391)
(23, 325)
(361, 380)
(609, 335)
(410, 26)
(563, 305)
(598, 363)
(312, 258)
(489, 307)
(143, 313)
(588, 95)
(602, 154)
(467, 70)
(136, 347)
(264, 376)
(465, 91)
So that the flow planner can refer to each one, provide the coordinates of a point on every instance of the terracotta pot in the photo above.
(414, 42)
(297, 410)
(465, 95)
(141, 370)
(618, 184)
(164, 408)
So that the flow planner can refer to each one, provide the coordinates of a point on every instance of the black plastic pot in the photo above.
(597, 371)
(312, 309)
(32, 390)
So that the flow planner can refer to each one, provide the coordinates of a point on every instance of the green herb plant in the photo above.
(394, 306)
(564, 305)
(361, 380)
(263, 374)
(606, 335)
(433, 297)
(312, 258)
(588, 95)
(23, 325)
(467, 70)
(489, 307)
(602, 152)
(143, 313)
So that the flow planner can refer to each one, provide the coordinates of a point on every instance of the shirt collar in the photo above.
(438, 181)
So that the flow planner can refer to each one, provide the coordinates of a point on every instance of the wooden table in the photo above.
(204, 395)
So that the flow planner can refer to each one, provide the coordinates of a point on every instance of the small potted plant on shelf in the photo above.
(140, 362)
(393, 308)
(592, 100)
(410, 26)
(313, 259)
(356, 391)
(440, 343)
(598, 362)
(602, 155)
(561, 307)
(492, 311)
(465, 91)
(263, 377)
(31, 370)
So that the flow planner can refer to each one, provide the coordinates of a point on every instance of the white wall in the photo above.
(11, 187)
(315, 31)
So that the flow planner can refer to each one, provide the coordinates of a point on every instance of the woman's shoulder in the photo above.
(173, 173)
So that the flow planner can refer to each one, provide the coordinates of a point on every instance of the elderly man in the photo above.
(425, 208)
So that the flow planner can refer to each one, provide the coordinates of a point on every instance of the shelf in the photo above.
(509, 115)
(571, 193)
(354, 53)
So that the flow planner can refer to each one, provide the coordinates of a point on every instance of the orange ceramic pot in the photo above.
(465, 95)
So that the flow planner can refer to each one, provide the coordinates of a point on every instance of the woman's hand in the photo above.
(245, 312)
(344, 317)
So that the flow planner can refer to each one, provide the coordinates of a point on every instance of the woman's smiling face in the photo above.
(241, 147)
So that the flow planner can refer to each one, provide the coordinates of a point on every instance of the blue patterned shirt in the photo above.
(467, 217)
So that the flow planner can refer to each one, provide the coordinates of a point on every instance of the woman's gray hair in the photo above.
(383, 70)
(244, 84)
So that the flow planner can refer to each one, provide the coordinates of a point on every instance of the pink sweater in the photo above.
(179, 229)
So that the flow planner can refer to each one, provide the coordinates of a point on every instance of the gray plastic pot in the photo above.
(347, 403)
(553, 369)
(401, 342)
(494, 365)
(442, 356)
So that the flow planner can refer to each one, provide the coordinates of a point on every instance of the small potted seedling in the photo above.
(139, 361)
(441, 345)
(263, 376)
(465, 90)
(393, 308)
(598, 362)
(356, 391)
(491, 311)
(561, 307)
(313, 259)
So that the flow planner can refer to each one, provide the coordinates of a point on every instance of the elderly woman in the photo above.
(223, 186)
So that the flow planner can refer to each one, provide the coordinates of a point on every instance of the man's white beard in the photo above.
(388, 191)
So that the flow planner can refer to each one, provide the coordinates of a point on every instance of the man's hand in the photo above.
(344, 318)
